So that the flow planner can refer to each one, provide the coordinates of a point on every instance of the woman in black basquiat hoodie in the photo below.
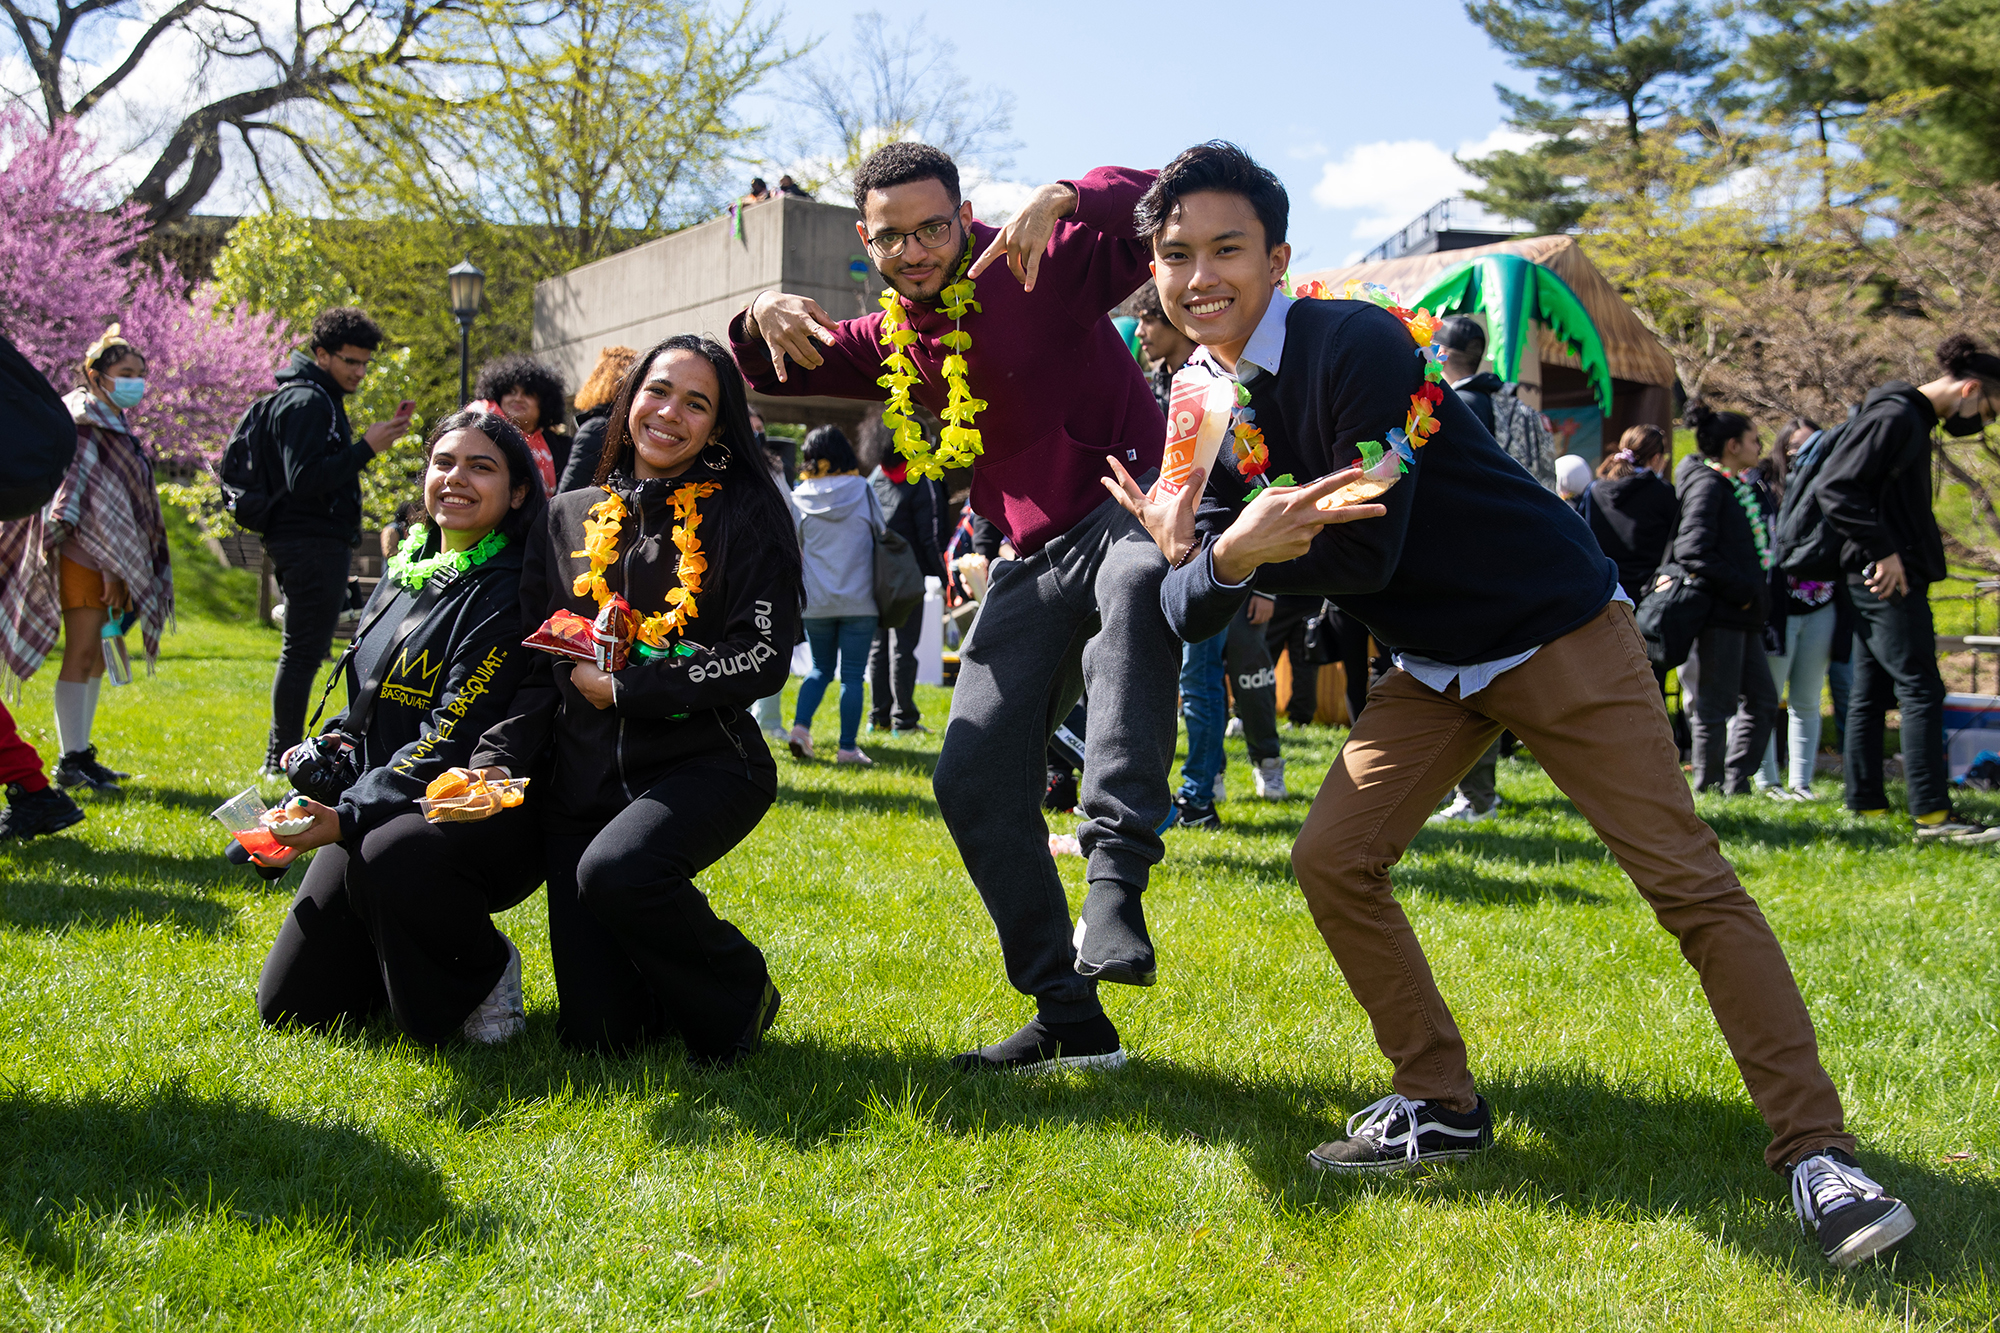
(650, 774)
(381, 922)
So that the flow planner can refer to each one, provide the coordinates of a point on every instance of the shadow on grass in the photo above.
(1568, 1141)
(57, 883)
(874, 802)
(164, 1156)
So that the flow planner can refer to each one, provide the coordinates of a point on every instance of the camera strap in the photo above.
(361, 704)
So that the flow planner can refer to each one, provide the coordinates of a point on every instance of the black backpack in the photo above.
(1805, 544)
(252, 470)
(41, 437)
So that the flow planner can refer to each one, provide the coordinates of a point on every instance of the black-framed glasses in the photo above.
(356, 362)
(889, 244)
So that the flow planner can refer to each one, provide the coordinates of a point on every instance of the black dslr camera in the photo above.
(324, 766)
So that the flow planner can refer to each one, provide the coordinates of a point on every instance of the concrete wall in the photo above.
(696, 280)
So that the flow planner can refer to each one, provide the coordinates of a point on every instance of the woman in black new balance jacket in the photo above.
(657, 770)
(1724, 541)
(379, 921)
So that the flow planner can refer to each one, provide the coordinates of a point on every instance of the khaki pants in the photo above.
(1588, 707)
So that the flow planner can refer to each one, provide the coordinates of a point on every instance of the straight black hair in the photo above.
(754, 507)
(516, 524)
(1223, 167)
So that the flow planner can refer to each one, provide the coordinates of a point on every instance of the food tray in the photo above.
(475, 805)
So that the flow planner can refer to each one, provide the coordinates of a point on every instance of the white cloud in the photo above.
(1388, 183)
(994, 200)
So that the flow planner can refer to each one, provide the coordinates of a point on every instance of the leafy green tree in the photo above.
(1605, 70)
(1943, 56)
(586, 125)
(1801, 62)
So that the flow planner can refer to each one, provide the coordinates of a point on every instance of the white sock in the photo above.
(72, 715)
(93, 685)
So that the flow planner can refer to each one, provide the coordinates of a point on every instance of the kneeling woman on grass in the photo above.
(658, 768)
(379, 922)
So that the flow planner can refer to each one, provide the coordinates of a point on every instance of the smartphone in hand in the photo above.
(406, 407)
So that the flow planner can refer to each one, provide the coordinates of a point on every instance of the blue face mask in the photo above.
(127, 393)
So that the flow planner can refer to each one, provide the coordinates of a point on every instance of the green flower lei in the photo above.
(405, 568)
(1759, 528)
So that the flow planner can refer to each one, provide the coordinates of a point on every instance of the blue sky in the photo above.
(1357, 106)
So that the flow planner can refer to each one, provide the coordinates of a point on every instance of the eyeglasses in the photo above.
(889, 244)
(356, 362)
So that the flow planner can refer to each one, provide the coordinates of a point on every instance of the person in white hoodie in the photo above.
(839, 517)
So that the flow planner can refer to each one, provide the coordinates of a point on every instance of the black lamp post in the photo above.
(468, 285)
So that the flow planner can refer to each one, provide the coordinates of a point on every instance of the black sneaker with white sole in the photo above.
(1089, 1044)
(79, 768)
(1853, 1217)
(1398, 1134)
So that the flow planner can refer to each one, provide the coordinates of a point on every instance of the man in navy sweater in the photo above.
(1502, 613)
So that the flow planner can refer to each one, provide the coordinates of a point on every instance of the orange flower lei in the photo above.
(600, 546)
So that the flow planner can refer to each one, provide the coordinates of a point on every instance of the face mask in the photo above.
(1959, 426)
(127, 393)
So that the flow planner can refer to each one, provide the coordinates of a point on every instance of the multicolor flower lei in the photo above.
(958, 442)
(600, 546)
(1421, 422)
(407, 569)
(1759, 525)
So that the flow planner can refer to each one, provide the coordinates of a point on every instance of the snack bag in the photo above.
(1197, 419)
(566, 634)
(611, 634)
(1386, 472)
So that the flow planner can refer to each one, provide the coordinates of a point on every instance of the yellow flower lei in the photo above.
(600, 546)
(958, 442)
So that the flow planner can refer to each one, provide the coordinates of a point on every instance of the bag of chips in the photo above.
(611, 634)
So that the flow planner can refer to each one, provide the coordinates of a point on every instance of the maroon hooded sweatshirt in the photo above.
(1062, 391)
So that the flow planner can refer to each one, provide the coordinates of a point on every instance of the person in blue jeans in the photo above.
(1205, 709)
(838, 520)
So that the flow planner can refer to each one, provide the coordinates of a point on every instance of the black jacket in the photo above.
(1477, 394)
(1474, 561)
(1876, 488)
(1715, 543)
(581, 466)
(322, 459)
(453, 677)
(914, 510)
(1632, 518)
(668, 711)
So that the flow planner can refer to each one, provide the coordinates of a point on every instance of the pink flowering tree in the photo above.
(66, 271)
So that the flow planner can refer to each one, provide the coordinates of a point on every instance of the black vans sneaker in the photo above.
(1853, 1217)
(29, 814)
(1089, 1044)
(1397, 1134)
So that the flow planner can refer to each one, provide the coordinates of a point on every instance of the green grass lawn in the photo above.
(165, 1161)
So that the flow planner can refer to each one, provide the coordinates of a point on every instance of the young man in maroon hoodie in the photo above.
(1081, 607)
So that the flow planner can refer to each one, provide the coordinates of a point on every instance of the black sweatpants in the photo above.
(892, 676)
(1285, 633)
(638, 950)
(313, 573)
(402, 922)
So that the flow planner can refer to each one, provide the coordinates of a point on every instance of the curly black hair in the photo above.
(904, 163)
(518, 370)
(345, 326)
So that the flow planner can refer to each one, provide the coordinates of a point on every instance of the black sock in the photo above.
(1111, 930)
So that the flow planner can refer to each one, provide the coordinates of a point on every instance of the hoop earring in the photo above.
(721, 465)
